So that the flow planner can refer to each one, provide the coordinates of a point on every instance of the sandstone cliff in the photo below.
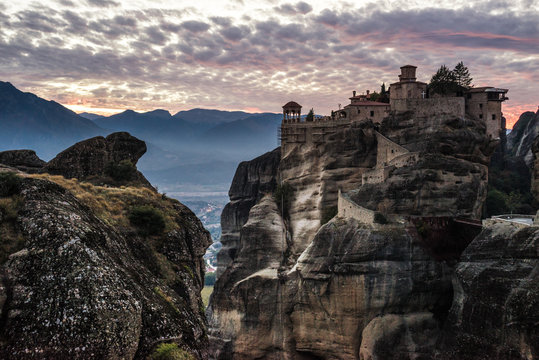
(298, 289)
(535, 172)
(521, 138)
(495, 311)
(84, 278)
(252, 180)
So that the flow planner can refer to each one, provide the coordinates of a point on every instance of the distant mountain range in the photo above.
(30, 122)
(194, 151)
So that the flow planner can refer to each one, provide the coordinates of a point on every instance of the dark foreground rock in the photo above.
(495, 312)
(24, 160)
(96, 158)
(80, 281)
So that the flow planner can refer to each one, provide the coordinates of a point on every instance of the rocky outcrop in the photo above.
(495, 311)
(520, 139)
(356, 276)
(252, 180)
(535, 171)
(436, 185)
(90, 158)
(24, 160)
(351, 289)
(450, 178)
(316, 172)
(80, 280)
(111, 160)
(256, 264)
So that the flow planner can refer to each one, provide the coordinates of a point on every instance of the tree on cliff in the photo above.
(310, 115)
(443, 82)
(462, 75)
(447, 81)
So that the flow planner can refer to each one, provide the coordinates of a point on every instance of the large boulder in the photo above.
(92, 157)
(24, 160)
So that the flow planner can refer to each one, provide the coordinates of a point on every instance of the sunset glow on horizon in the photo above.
(106, 56)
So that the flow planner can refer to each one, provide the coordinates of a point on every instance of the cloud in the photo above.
(180, 55)
(125, 21)
(43, 21)
(195, 26)
(223, 21)
(102, 3)
(235, 33)
(290, 9)
(155, 35)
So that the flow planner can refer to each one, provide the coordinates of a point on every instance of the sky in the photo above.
(105, 56)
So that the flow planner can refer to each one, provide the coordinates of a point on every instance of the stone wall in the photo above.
(375, 176)
(431, 107)
(404, 159)
(376, 113)
(310, 133)
(406, 90)
(349, 209)
(387, 150)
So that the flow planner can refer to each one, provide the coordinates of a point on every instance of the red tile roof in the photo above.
(291, 104)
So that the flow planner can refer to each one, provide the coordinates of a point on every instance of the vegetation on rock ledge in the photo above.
(170, 351)
(147, 219)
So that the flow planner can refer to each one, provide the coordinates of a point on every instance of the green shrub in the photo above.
(328, 214)
(380, 218)
(10, 184)
(209, 279)
(170, 351)
(122, 171)
(147, 219)
(495, 203)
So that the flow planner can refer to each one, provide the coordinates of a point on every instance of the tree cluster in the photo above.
(447, 81)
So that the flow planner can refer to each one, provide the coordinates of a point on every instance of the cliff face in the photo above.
(83, 279)
(354, 283)
(450, 177)
(495, 309)
(351, 290)
(520, 139)
(535, 172)
(252, 180)
(316, 173)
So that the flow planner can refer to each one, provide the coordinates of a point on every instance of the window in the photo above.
(359, 111)
(493, 116)
(480, 116)
(493, 96)
(372, 112)
(480, 106)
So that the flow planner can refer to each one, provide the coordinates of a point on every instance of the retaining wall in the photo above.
(349, 209)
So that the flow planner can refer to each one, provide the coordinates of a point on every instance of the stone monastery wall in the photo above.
(349, 209)
(375, 176)
(387, 150)
(407, 159)
(431, 107)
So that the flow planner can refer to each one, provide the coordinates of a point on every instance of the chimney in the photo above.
(354, 93)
